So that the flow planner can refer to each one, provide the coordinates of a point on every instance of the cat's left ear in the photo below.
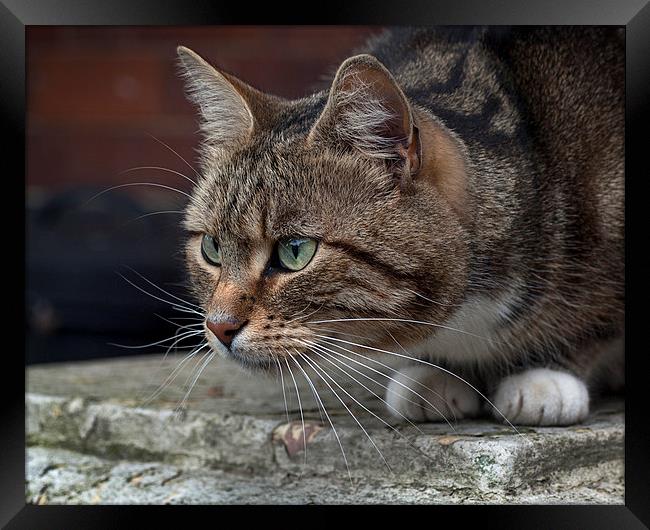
(367, 110)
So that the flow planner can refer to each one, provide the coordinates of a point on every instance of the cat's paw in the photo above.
(542, 397)
(421, 393)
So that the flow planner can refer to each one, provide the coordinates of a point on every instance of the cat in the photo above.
(456, 196)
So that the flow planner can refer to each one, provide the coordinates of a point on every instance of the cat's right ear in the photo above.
(366, 110)
(227, 105)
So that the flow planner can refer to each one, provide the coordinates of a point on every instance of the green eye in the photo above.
(210, 250)
(295, 254)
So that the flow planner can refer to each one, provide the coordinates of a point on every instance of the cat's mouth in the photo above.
(300, 345)
(264, 358)
(242, 352)
(252, 361)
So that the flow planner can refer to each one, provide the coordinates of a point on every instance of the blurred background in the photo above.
(102, 101)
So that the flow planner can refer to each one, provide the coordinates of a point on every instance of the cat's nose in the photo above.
(225, 330)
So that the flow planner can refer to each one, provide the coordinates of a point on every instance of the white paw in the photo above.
(422, 393)
(542, 397)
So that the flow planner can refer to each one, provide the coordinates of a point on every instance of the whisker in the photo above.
(300, 312)
(209, 356)
(129, 184)
(430, 300)
(360, 383)
(318, 405)
(317, 369)
(399, 383)
(176, 348)
(150, 214)
(199, 321)
(140, 168)
(313, 388)
(193, 371)
(345, 334)
(186, 310)
(434, 366)
(184, 335)
(172, 376)
(403, 320)
(173, 304)
(302, 418)
(198, 325)
(176, 153)
(380, 419)
(436, 393)
(189, 304)
(334, 355)
(174, 319)
(284, 394)
(307, 316)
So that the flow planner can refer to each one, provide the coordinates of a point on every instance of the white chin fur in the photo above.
(542, 397)
(422, 393)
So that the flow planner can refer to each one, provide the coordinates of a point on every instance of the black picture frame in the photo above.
(15, 15)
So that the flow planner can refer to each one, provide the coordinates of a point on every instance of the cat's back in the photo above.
(557, 90)
(570, 81)
(540, 109)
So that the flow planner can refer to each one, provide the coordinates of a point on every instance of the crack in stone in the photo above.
(50, 467)
(178, 473)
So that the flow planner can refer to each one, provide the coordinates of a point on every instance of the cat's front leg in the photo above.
(423, 393)
(542, 396)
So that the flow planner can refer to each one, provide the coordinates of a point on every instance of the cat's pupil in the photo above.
(295, 248)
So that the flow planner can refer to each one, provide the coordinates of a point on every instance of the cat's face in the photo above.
(292, 234)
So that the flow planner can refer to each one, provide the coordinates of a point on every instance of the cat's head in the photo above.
(347, 204)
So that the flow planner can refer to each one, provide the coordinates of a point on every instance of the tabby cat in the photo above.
(455, 196)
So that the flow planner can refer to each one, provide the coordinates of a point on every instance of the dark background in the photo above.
(97, 100)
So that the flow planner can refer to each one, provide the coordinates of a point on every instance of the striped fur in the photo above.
(528, 254)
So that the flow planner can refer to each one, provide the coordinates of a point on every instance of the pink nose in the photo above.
(226, 330)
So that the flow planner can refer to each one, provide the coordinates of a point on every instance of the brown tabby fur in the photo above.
(514, 191)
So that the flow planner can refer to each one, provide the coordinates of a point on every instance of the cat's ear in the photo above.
(228, 106)
(367, 110)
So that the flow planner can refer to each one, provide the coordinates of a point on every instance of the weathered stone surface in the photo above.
(88, 429)
(57, 476)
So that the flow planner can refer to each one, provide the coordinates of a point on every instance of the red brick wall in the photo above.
(94, 93)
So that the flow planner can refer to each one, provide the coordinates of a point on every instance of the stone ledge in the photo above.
(58, 476)
(236, 436)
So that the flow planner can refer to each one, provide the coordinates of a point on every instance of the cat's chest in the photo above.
(470, 334)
